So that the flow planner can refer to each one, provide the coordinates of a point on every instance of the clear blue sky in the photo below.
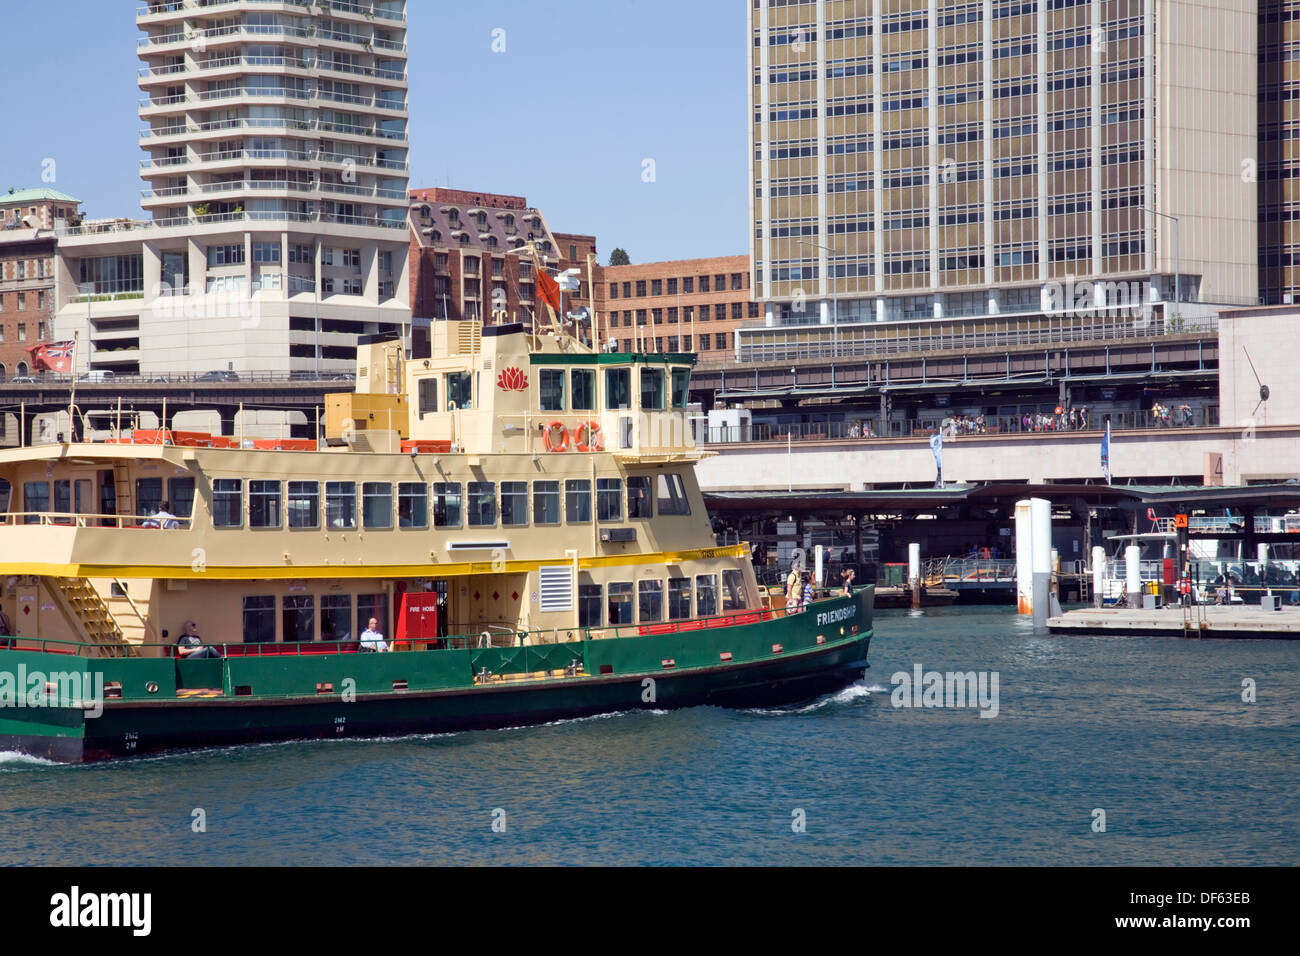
(584, 92)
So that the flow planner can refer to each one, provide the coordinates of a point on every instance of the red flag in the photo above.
(549, 290)
(52, 357)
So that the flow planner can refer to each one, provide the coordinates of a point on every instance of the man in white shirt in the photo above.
(371, 639)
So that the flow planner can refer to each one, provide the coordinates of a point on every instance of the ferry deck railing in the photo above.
(74, 520)
(558, 637)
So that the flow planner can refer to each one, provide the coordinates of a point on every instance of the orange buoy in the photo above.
(556, 437)
(587, 437)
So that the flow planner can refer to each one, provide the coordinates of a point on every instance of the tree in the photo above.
(619, 257)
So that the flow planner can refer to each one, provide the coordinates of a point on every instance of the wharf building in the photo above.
(29, 221)
(275, 228)
(987, 163)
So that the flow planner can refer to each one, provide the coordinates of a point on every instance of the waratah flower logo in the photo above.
(512, 380)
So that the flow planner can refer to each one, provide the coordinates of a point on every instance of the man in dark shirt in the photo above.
(189, 646)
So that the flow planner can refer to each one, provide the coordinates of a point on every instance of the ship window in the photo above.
(299, 618)
(652, 388)
(514, 503)
(482, 504)
(582, 386)
(638, 497)
(589, 601)
(63, 497)
(228, 502)
(36, 499)
(733, 591)
(446, 504)
(546, 502)
(681, 386)
(672, 496)
(650, 600)
(620, 603)
(551, 384)
(458, 390)
(706, 595)
(340, 504)
(377, 504)
(180, 491)
(428, 395)
(336, 617)
(679, 599)
(412, 505)
(372, 605)
(304, 504)
(148, 496)
(259, 620)
(577, 501)
(264, 504)
(609, 499)
(618, 388)
(5, 490)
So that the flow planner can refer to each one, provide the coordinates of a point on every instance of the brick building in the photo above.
(685, 305)
(461, 266)
(28, 219)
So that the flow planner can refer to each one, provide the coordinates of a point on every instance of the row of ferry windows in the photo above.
(570, 389)
(650, 602)
(273, 503)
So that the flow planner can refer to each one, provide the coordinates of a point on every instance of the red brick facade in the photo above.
(676, 306)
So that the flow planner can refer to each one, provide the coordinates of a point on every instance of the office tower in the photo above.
(947, 158)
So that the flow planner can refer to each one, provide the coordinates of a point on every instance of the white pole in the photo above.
(1040, 519)
(1024, 560)
(1133, 574)
(1098, 575)
(913, 563)
(819, 565)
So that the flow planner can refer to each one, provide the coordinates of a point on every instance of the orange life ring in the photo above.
(556, 437)
(586, 437)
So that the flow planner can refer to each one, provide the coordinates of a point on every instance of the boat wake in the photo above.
(12, 760)
(857, 691)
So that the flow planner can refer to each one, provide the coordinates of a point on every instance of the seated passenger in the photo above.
(190, 647)
(371, 639)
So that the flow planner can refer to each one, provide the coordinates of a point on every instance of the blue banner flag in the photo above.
(1105, 454)
(936, 446)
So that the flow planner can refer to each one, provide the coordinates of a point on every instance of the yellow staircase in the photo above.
(84, 604)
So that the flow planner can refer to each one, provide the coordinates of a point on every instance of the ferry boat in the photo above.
(519, 514)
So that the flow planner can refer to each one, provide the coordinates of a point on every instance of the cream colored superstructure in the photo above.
(475, 507)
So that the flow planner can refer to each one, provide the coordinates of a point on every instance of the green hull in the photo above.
(778, 661)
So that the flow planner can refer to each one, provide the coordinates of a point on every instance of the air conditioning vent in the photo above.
(556, 588)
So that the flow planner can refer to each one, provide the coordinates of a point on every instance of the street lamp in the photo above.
(835, 296)
(1177, 274)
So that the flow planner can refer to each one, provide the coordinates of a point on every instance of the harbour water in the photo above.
(1152, 731)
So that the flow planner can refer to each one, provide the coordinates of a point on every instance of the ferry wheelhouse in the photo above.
(519, 513)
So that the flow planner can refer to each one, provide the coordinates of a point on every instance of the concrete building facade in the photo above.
(276, 171)
(947, 158)
(1278, 165)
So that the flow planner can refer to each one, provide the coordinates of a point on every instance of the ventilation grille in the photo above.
(468, 337)
(556, 588)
